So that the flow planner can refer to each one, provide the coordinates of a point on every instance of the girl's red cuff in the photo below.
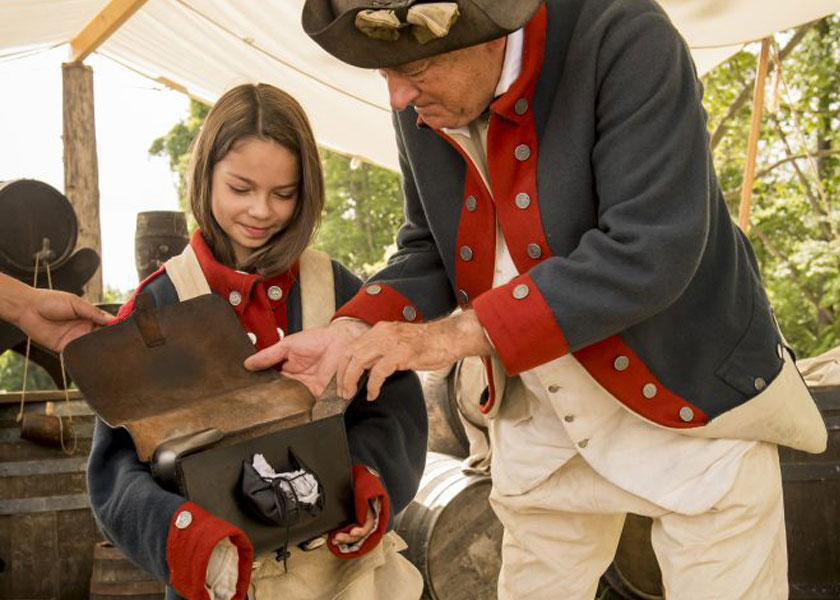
(366, 487)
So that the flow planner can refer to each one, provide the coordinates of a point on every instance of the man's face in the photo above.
(448, 90)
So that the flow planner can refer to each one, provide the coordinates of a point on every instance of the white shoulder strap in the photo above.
(317, 288)
(186, 275)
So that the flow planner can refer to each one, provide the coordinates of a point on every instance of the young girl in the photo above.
(256, 191)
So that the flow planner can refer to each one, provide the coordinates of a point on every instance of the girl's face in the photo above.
(254, 192)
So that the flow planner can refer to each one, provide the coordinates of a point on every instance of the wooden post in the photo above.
(752, 144)
(81, 172)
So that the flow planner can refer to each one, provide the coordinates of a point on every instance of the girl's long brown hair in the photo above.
(266, 112)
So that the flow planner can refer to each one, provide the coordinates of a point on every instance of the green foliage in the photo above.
(794, 228)
(11, 374)
(362, 213)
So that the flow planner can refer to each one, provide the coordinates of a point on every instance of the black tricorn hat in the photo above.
(350, 30)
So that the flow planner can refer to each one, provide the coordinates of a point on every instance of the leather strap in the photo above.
(316, 283)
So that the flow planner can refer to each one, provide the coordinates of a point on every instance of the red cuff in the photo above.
(189, 545)
(380, 302)
(366, 487)
(520, 325)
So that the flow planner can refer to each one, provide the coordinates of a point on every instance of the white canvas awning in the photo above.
(203, 47)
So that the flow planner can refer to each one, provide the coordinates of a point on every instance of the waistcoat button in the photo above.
(760, 384)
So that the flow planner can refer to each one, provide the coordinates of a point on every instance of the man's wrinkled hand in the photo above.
(309, 356)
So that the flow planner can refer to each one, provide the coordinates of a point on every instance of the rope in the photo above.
(19, 417)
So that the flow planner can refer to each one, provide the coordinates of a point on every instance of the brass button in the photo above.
(409, 313)
(522, 200)
(183, 520)
(463, 296)
(235, 298)
(686, 414)
(534, 250)
(522, 152)
(554, 388)
(373, 289)
(569, 418)
(621, 363)
(466, 253)
(471, 203)
(760, 384)
(649, 391)
(275, 292)
(520, 291)
(253, 337)
(521, 106)
(583, 443)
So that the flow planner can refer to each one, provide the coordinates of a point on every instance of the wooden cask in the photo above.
(453, 536)
(115, 577)
(47, 531)
(160, 235)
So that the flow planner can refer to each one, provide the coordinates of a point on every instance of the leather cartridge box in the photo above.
(173, 377)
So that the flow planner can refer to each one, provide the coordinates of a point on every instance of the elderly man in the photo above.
(559, 190)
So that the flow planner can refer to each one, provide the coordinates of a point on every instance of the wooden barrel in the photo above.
(452, 399)
(31, 212)
(114, 576)
(160, 235)
(812, 509)
(453, 536)
(47, 532)
(811, 484)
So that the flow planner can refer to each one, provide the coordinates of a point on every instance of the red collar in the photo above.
(533, 50)
(225, 280)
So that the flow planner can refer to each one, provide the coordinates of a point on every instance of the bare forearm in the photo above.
(13, 298)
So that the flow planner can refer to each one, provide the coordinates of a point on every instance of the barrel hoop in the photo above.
(814, 591)
(827, 397)
(43, 467)
(819, 471)
(21, 506)
(127, 588)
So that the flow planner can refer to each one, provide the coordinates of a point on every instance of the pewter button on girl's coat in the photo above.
(471, 203)
(521, 106)
(649, 391)
(760, 384)
(409, 313)
(621, 363)
(520, 291)
(235, 298)
(534, 250)
(183, 520)
(253, 337)
(373, 289)
(523, 200)
(275, 292)
(686, 414)
(463, 296)
(522, 152)
(466, 253)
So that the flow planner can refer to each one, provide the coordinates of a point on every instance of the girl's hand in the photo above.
(359, 533)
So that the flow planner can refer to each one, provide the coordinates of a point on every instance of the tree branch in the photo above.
(746, 93)
(778, 163)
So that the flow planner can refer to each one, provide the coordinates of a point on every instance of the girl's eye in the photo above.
(286, 195)
(237, 190)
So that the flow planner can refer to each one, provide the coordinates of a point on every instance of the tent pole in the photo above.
(752, 144)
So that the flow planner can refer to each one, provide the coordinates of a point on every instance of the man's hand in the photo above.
(310, 356)
(51, 318)
(390, 347)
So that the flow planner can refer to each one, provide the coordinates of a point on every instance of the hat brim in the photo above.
(339, 36)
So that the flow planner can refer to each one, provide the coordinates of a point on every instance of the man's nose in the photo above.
(401, 91)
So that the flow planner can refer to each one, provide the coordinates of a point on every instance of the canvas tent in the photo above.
(202, 47)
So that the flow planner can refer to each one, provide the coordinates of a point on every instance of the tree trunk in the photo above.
(81, 173)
